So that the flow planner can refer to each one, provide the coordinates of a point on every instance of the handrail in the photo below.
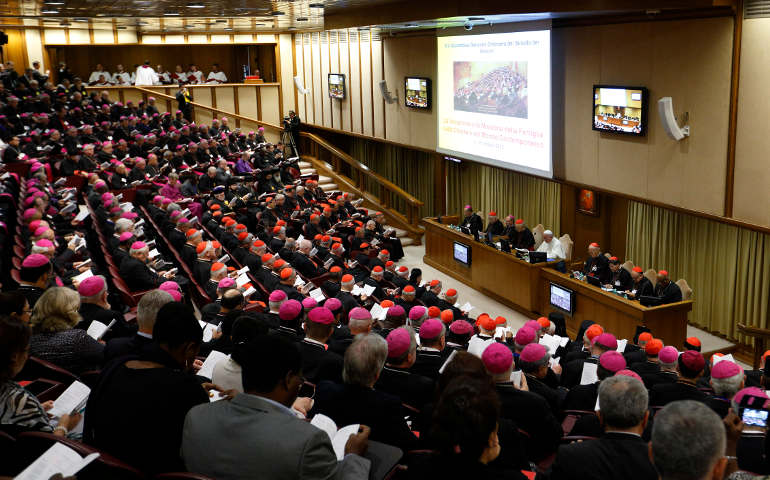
(199, 105)
(364, 169)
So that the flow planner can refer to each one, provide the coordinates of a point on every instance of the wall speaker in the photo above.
(3, 38)
(388, 96)
(300, 88)
(668, 120)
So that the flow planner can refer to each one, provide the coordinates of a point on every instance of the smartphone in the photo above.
(754, 417)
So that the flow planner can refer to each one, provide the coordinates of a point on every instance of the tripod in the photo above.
(287, 139)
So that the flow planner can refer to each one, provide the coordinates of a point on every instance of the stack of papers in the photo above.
(97, 329)
(356, 291)
(368, 290)
(242, 280)
(378, 313)
(317, 295)
(589, 374)
(553, 342)
(298, 282)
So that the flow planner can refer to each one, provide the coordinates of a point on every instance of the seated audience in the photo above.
(146, 315)
(355, 401)
(136, 411)
(271, 441)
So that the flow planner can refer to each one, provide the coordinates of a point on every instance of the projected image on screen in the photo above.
(496, 88)
(619, 109)
(336, 85)
(493, 95)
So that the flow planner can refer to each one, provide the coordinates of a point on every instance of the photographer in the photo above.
(291, 126)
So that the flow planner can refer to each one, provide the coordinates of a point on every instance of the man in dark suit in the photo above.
(471, 220)
(430, 296)
(620, 453)
(534, 363)
(620, 279)
(690, 366)
(303, 263)
(641, 286)
(135, 272)
(396, 378)
(650, 366)
(521, 237)
(528, 410)
(573, 370)
(583, 397)
(597, 265)
(318, 363)
(430, 355)
(94, 306)
(667, 361)
(666, 290)
(146, 313)
(356, 401)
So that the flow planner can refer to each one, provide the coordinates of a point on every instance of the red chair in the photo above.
(571, 417)
(45, 389)
(36, 368)
(30, 445)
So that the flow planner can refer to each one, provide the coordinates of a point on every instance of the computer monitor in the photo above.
(538, 257)
(462, 253)
(562, 299)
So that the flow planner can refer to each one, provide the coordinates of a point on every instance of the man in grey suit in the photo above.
(256, 435)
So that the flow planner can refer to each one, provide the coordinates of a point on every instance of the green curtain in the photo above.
(533, 199)
(411, 170)
(725, 266)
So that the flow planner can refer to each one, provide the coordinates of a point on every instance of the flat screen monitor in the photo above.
(418, 93)
(562, 299)
(620, 109)
(337, 85)
(462, 253)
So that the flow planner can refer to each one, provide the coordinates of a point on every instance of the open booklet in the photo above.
(97, 329)
(73, 399)
(57, 459)
(207, 369)
(339, 437)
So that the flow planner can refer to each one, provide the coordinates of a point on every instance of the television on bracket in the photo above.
(620, 109)
(417, 92)
(337, 85)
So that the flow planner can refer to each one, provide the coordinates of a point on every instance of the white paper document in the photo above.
(378, 313)
(242, 280)
(622, 345)
(211, 361)
(208, 330)
(83, 276)
(356, 291)
(369, 289)
(317, 294)
(338, 437)
(73, 399)
(589, 374)
(57, 459)
(97, 329)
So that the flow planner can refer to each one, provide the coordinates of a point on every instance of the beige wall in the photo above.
(365, 62)
(689, 61)
(752, 162)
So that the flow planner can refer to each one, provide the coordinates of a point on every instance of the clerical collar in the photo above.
(313, 341)
(429, 349)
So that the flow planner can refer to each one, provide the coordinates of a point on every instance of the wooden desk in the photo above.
(616, 314)
(526, 288)
(499, 275)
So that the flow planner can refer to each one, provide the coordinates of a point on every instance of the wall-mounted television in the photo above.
(337, 85)
(462, 253)
(418, 92)
(562, 299)
(620, 109)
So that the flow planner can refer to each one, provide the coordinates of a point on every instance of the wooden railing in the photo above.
(401, 208)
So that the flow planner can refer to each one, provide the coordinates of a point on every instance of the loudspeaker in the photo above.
(389, 97)
(300, 88)
(3, 38)
(668, 120)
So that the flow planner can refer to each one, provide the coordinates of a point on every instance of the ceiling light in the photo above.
(170, 14)
(49, 11)
(277, 13)
(301, 19)
(196, 5)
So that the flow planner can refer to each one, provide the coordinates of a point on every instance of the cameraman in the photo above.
(291, 125)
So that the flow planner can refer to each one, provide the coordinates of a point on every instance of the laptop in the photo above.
(538, 257)
(650, 301)
(593, 281)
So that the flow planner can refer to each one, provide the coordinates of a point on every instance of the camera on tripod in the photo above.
(287, 123)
